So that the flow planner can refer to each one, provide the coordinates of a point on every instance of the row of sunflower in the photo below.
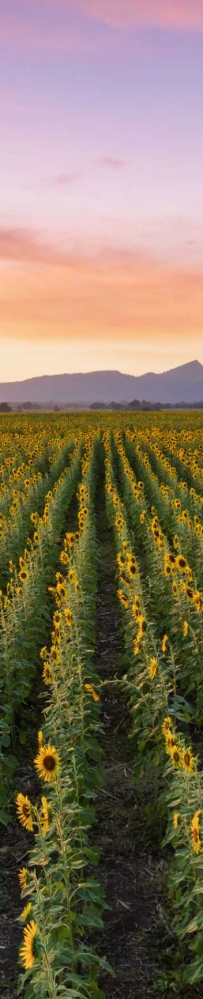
(175, 603)
(28, 496)
(25, 615)
(63, 900)
(176, 506)
(159, 725)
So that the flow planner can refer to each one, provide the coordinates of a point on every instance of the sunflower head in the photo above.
(152, 668)
(47, 763)
(45, 810)
(26, 912)
(185, 628)
(166, 727)
(25, 811)
(28, 948)
(23, 876)
(176, 756)
(188, 761)
(176, 819)
(47, 673)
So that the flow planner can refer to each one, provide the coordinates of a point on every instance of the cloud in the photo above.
(176, 14)
(17, 32)
(118, 295)
(110, 161)
(64, 179)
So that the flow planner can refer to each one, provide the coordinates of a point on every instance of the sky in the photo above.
(101, 179)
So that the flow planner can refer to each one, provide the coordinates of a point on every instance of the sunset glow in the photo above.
(101, 227)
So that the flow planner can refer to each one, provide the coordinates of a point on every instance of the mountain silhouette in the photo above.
(184, 383)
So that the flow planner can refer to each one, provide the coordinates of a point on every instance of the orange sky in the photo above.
(101, 225)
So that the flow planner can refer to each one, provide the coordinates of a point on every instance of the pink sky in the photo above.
(101, 221)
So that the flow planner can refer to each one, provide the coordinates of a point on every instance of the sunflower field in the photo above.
(101, 680)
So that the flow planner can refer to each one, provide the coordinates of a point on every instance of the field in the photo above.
(101, 675)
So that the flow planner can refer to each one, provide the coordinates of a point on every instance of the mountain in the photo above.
(184, 383)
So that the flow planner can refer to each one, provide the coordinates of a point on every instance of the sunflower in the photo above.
(170, 741)
(47, 763)
(27, 950)
(181, 562)
(24, 811)
(189, 592)
(34, 518)
(26, 912)
(43, 652)
(44, 815)
(152, 668)
(61, 590)
(55, 654)
(164, 643)
(170, 558)
(23, 876)
(91, 690)
(40, 738)
(166, 727)
(132, 569)
(64, 558)
(188, 761)
(185, 629)
(68, 616)
(136, 647)
(57, 618)
(176, 819)
(23, 574)
(36, 537)
(122, 598)
(141, 624)
(176, 756)
(196, 842)
(167, 569)
(47, 674)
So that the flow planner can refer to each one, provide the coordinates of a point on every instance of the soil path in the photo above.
(132, 878)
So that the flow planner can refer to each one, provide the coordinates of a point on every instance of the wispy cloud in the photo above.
(21, 33)
(64, 179)
(110, 161)
(176, 14)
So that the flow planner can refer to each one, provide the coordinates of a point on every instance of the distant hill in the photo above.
(184, 382)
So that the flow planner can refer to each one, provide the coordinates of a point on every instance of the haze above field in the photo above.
(101, 228)
(182, 383)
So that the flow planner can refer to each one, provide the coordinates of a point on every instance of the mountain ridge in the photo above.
(184, 382)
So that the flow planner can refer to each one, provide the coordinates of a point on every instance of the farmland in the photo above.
(101, 673)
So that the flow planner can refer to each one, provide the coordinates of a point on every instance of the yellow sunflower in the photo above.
(185, 628)
(176, 756)
(166, 725)
(68, 616)
(23, 876)
(47, 763)
(91, 690)
(152, 668)
(23, 575)
(44, 815)
(188, 761)
(24, 811)
(26, 912)
(164, 643)
(28, 948)
(176, 819)
(47, 674)
(195, 829)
